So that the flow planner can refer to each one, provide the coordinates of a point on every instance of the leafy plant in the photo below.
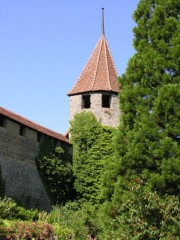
(28, 230)
(92, 149)
(9, 209)
(143, 214)
(75, 220)
(56, 170)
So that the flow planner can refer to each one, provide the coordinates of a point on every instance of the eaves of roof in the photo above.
(33, 125)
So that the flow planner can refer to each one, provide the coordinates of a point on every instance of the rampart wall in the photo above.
(18, 166)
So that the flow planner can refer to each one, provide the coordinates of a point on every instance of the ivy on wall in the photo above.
(55, 167)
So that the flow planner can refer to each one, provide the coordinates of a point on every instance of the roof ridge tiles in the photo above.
(100, 41)
(107, 65)
(112, 59)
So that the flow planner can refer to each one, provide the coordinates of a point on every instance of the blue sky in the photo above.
(44, 46)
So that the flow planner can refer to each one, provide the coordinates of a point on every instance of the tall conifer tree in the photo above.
(147, 141)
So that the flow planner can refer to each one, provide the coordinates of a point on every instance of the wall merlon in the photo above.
(12, 126)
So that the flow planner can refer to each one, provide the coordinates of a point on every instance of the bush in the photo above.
(10, 210)
(69, 221)
(58, 219)
(2, 229)
(28, 230)
(143, 214)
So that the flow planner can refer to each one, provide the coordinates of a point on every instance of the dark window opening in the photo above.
(86, 103)
(22, 130)
(55, 142)
(39, 137)
(2, 121)
(106, 99)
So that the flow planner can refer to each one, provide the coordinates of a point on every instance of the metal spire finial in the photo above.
(102, 23)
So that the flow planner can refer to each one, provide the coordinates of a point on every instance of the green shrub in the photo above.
(2, 229)
(143, 214)
(63, 233)
(28, 230)
(69, 221)
(10, 210)
(58, 219)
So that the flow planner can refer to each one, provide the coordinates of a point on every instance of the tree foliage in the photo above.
(143, 214)
(147, 140)
(148, 136)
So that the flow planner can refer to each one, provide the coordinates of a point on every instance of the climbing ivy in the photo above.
(56, 171)
(92, 149)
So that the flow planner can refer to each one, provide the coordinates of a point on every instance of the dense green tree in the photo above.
(147, 141)
(143, 214)
(92, 149)
(148, 136)
(55, 167)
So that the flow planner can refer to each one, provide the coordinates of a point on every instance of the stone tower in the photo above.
(97, 88)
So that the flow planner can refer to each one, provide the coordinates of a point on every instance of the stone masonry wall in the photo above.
(107, 116)
(18, 167)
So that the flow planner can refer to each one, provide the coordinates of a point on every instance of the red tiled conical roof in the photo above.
(99, 73)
